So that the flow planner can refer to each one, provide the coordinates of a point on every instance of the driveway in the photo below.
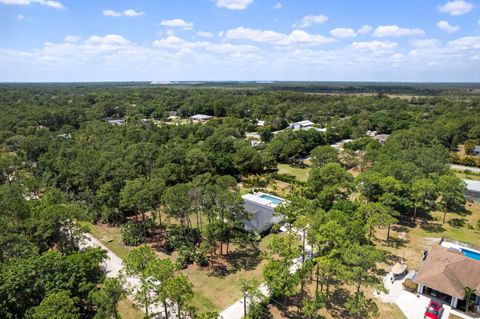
(413, 306)
(113, 265)
(235, 311)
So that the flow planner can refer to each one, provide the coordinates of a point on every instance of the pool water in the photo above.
(274, 200)
(471, 254)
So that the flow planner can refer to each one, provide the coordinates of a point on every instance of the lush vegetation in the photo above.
(176, 189)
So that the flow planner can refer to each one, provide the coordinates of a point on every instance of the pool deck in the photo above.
(472, 253)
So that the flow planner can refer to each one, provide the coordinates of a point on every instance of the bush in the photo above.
(201, 258)
(457, 222)
(284, 178)
(176, 238)
(132, 233)
(185, 256)
(275, 229)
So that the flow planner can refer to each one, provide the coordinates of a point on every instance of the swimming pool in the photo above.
(471, 254)
(274, 200)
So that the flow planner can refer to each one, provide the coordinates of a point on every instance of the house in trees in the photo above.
(447, 270)
(200, 117)
(302, 125)
(116, 121)
(305, 125)
(476, 150)
(381, 138)
(260, 208)
(473, 190)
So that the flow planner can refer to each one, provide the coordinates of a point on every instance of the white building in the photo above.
(260, 208)
(302, 125)
(473, 190)
(201, 117)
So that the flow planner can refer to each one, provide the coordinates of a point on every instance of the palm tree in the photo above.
(468, 292)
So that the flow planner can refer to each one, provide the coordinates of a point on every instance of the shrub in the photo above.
(275, 229)
(201, 258)
(132, 233)
(186, 256)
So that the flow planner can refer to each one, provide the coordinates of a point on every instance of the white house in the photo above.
(260, 208)
(302, 125)
(473, 190)
(201, 117)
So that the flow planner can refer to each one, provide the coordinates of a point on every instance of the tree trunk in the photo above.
(316, 279)
(165, 305)
(415, 213)
(285, 306)
(388, 232)
(444, 215)
(144, 228)
(115, 312)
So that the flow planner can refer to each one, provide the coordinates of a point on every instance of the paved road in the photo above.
(235, 311)
(463, 168)
(113, 266)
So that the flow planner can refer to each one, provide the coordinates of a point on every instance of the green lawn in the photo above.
(301, 174)
(112, 238)
(462, 175)
(468, 233)
(128, 310)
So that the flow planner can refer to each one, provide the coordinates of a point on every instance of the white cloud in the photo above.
(20, 17)
(111, 13)
(277, 38)
(234, 4)
(72, 38)
(456, 7)
(365, 29)
(396, 31)
(447, 27)
(278, 5)
(110, 39)
(48, 3)
(132, 13)
(426, 43)
(177, 23)
(127, 13)
(310, 20)
(205, 34)
(470, 42)
(343, 33)
(374, 45)
(113, 57)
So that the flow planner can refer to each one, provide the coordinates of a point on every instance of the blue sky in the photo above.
(124, 40)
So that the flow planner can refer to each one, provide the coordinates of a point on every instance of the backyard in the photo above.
(216, 286)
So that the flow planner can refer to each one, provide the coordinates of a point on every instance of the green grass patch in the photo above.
(112, 238)
(301, 174)
(462, 175)
(128, 310)
(468, 233)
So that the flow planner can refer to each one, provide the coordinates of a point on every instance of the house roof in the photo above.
(305, 123)
(449, 271)
(201, 117)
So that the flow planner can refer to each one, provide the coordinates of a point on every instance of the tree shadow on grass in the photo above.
(337, 303)
(246, 257)
(432, 227)
(396, 242)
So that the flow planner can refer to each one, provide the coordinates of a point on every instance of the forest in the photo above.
(175, 188)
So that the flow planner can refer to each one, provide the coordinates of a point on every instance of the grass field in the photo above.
(462, 175)
(128, 310)
(301, 174)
